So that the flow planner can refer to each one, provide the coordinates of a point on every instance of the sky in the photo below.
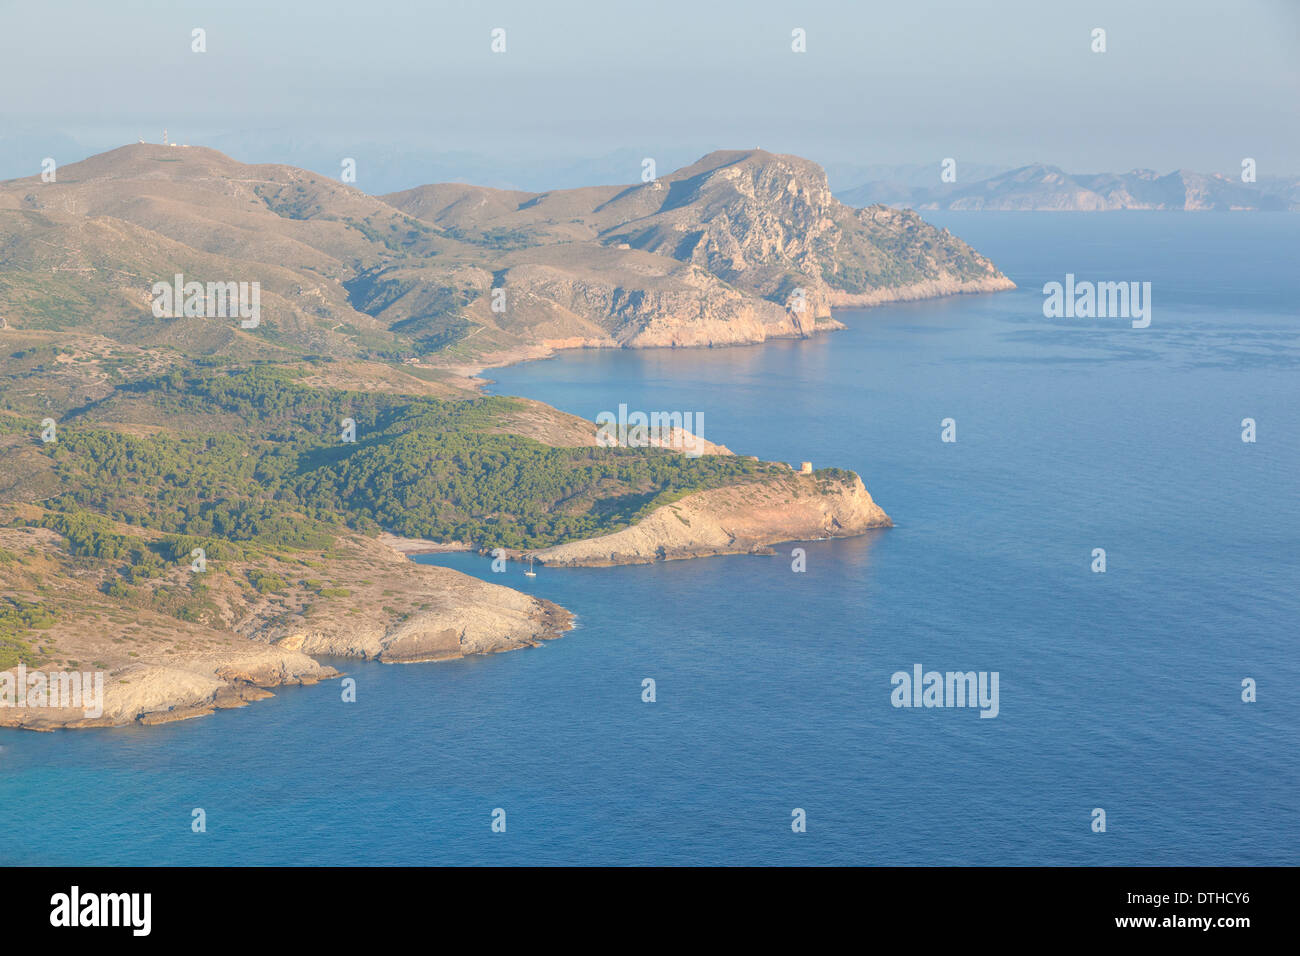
(584, 90)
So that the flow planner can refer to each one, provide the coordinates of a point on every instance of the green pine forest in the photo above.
(276, 474)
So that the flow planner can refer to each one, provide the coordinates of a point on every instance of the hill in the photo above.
(738, 247)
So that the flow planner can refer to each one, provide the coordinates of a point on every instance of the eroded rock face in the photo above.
(734, 520)
(460, 616)
(193, 685)
(929, 289)
(400, 611)
(740, 247)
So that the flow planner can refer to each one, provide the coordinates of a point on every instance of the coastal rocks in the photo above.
(739, 519)
(370, 602)
(461, 616)
(927, 289)
(162, 693)
(421, 545)
(453, 615)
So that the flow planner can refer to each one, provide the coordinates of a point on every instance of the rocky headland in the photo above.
(743, 519)
(376, 605)
(379, 310)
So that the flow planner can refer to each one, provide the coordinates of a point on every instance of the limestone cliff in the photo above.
(739, 247)
(190, 684)
(452, 615)
(734, 520)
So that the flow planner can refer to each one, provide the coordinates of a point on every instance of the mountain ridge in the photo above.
(740, 246)
(1045, 187)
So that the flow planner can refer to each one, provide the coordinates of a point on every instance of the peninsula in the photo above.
(198, 499)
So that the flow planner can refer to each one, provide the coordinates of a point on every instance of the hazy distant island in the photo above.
(232, 396)
(1043, 188)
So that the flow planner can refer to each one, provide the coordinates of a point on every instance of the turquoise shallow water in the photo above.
(1119, 691)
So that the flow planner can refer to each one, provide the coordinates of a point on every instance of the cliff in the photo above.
(182, 687)
(735, 520)
(450, 615)
(739, 247)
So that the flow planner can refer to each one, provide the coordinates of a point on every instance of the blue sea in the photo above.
(1119, 690)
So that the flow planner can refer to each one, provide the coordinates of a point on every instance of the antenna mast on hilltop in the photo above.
(164, 135)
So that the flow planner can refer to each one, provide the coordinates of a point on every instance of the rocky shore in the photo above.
(194, 686)
(156, 669)
(929, 289)
(741, 519)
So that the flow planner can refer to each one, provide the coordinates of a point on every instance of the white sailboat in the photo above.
(530, 573)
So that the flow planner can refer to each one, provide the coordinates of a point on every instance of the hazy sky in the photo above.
(1189, 83)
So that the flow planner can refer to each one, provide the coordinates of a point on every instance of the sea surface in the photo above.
(1119, 690)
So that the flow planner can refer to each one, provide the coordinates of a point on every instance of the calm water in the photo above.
(1118, 690)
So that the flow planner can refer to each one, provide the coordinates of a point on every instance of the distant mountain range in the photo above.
(1039, 187)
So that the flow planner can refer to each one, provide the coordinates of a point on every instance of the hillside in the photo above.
(738, 247)
(715, 253)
